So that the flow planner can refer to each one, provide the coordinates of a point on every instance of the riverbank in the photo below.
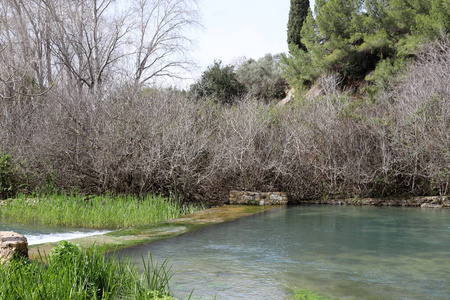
(422, 201)
(194, 221)
(166, 229)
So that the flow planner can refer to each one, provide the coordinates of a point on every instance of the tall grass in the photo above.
(93, 212)
(73, 273)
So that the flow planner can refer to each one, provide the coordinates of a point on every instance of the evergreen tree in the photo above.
(297, 15)
(364, 39)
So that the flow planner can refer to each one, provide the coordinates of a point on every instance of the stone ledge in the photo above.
(12, 245)
(424, 201)
(258, 198)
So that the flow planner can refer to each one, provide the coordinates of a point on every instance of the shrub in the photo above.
(166, 143)
(8, 176)
(64, 250)
(219, 83)
(262, 78)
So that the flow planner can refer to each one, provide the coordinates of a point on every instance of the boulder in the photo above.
(12, 245)
(258, 198)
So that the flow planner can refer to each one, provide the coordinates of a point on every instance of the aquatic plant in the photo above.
(82, 274)
(94, 212)
(309, 295)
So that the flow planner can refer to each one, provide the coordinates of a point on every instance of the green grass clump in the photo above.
(93, 212)
(309, 295)
(79, 274)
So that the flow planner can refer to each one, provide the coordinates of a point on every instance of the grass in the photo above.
(93, 212)
(79, 274)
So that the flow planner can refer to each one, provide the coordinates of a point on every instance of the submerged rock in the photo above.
(12, 245)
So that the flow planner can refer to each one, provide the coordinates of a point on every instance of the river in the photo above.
(343, 252)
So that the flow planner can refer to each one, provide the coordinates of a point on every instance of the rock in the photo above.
(12, 245)
(258, 198)
(288, 98)
(431, 205)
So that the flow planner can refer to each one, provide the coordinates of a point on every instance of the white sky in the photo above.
(240, 28)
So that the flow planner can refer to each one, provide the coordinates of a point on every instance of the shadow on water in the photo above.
(344, 252)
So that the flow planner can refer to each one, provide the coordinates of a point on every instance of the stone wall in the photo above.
(12, 245)
(258, 198)
(425, 201)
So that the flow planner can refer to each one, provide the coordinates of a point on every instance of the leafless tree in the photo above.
(90, 44)
(87, 38)
(161, 44)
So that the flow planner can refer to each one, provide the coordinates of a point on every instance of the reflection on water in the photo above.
(38, 234)
(341, 252)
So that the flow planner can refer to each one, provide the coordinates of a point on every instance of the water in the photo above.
(341, 252)
(38, 234)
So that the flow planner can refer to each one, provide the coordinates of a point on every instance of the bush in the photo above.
(262, 78)
(8, 176)
(64, 250)
(166, 143)
(219, 83)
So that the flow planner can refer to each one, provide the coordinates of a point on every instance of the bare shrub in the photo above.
(165, 142)
(422, 124)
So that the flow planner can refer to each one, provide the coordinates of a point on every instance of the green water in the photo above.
(340, 252)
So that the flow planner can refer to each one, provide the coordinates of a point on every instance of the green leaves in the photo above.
(94, 212)
(297, 15)
(351, 37)
(75, 273)
(219, 83)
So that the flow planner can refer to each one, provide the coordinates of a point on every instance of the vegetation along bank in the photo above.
(370, 116)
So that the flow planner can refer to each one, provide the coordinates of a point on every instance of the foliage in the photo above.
(262, 78)
(298, 69)
(8, 176)
(297, 15)
(352, 37)
(60, 253)
(82, 274)
(94, 212)
(219, 83)
(383, 78)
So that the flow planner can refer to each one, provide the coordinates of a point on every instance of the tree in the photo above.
(219, 83)
(161, 46)
(82, 43)
(297, 15)
(354, 37)
(88, 42)
(262, 78)
(24, 47)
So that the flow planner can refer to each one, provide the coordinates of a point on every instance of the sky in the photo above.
(234, 29)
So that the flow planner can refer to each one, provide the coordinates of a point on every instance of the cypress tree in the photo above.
(297, 15)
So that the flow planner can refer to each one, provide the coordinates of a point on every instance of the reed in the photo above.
(73, 273)
(93, 212)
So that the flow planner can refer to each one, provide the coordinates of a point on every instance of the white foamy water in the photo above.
(39, 234)
(56, 237)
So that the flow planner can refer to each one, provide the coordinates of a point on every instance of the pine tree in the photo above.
(297, 15)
